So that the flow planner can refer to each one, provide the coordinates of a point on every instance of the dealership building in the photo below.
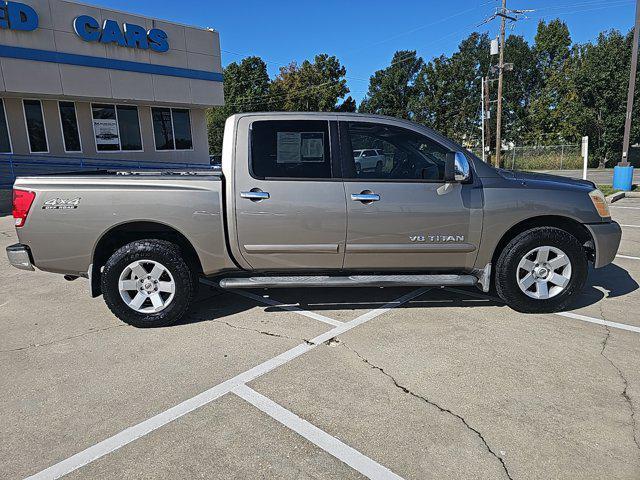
(81, 84)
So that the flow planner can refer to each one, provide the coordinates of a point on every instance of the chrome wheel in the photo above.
(544, 272)
(146, 286)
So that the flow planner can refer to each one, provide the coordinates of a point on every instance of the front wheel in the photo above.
(147, 283)
(541, 270)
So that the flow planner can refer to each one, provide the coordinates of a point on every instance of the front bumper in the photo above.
(606, 238)
(20, 257)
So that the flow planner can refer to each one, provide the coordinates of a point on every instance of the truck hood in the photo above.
(543, 180)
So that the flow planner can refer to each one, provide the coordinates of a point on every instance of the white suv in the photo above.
(369, 159)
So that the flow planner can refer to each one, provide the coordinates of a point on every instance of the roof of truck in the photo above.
(349, 115)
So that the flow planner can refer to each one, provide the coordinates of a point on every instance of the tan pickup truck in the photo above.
(291, 208)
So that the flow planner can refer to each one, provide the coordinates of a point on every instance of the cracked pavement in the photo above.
(446, 386)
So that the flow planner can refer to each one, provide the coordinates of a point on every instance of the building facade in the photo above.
(82, 81)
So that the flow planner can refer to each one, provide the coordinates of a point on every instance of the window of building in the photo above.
(36, 129)
(385, 152)
(5, 139)
(172, 128)
(69, 122)
(116, 128)
(290, 149)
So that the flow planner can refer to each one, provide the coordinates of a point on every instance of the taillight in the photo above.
(22, 200)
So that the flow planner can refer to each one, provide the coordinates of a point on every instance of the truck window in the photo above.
(396, 154)
(290, 149)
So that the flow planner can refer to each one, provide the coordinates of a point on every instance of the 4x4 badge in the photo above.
(61, 204)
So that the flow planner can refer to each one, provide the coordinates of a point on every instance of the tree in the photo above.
(391, 89)
(602, 81)
(520, 89)
(549, 108)
(447, 91)
(310, 87)
(246, 89)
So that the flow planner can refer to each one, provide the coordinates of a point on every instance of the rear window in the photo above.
(290, 149)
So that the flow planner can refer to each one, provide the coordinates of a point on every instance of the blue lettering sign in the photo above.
(18, 16)
(111, 33)
(134, 36)
(158, 40)
(87, 28)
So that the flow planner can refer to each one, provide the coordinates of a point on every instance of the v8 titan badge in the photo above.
(61, 204)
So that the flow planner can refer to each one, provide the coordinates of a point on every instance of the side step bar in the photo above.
(352, 281)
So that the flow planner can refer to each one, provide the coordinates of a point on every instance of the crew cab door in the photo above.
(404, 216)
(290, 209)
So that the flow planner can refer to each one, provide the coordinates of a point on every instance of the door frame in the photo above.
(236, 162)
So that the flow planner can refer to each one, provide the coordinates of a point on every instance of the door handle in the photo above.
(255, 195)
(365, 197)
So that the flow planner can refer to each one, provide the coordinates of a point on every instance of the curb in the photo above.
(620, 195)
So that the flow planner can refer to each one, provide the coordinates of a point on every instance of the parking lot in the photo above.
(328, 383)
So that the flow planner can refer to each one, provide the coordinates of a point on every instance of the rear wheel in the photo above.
(541, 270)
(148, 284)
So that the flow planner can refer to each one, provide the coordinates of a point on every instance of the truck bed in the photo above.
(72, 213)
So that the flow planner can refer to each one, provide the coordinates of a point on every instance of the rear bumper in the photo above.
(606, 237)
(20, 257)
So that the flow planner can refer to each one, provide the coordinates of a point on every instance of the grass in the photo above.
(609, 190)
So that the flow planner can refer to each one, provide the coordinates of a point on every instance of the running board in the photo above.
(352, 281)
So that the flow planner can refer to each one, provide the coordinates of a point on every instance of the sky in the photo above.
(364, 34)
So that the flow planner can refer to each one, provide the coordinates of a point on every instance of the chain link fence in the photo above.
(540, 157)
(547, 157)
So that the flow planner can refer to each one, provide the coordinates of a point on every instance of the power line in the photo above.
(504, 14)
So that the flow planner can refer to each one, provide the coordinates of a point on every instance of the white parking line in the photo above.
(598, 321)
(620, 206)
(630, 226)
(343, 452)
(628, 257)
(273, 303)
(141, 429)
(575, 316)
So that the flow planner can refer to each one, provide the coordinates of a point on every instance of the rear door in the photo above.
(403, 216)
(290, 204)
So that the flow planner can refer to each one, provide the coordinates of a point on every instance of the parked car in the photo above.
(367, 160)
(291, 208)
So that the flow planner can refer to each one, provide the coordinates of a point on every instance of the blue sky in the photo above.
(364, 34)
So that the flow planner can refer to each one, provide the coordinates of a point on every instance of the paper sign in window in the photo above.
(298, 147)
(289, 147)
(312, 147)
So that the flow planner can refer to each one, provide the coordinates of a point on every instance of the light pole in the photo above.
(623, 172)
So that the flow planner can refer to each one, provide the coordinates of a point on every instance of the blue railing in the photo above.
(12, 166)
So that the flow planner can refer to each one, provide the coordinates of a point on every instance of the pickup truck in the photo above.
(290, 209)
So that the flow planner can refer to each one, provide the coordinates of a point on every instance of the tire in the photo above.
(165, 293)
(520, 263)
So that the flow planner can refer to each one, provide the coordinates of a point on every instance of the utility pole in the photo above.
(505, 14)
(632, 86)
(503, 27)
(484, 151)
(486, 114)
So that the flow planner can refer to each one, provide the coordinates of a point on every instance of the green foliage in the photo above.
(316, 86)
(391, 89)
(311, 87)
(246, 89)
(556, 93)
(447, 91)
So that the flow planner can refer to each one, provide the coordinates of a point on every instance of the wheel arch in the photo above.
(567, 224)
(124, 233)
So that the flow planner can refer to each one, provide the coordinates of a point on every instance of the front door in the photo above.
(402, 215)
(290, 205)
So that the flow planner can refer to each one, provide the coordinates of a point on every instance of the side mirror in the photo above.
(457, 167)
